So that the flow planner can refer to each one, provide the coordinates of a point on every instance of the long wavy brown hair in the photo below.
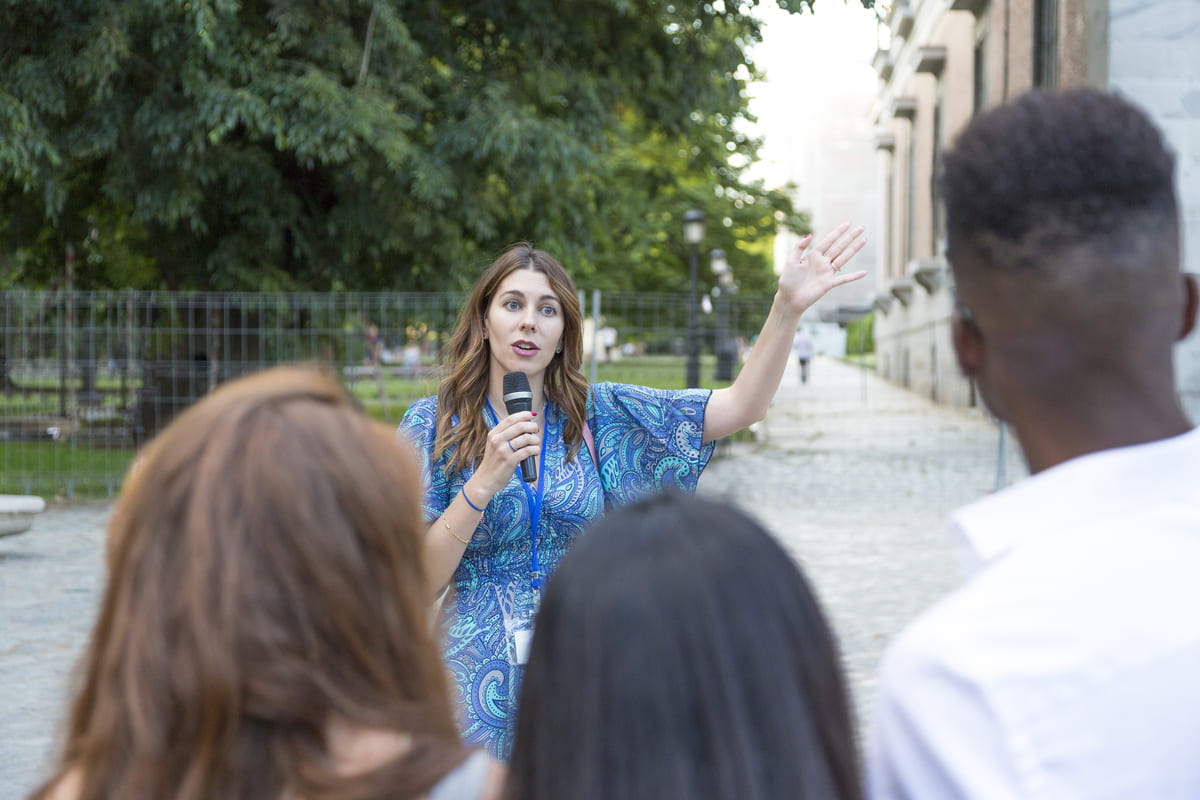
(264, 581)
(464, 389)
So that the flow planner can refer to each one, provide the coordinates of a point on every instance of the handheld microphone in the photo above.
(519, 397)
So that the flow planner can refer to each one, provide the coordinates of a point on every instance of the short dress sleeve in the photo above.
(419, 427)
(648, 440)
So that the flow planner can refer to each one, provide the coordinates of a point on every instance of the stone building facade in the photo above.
(942, 61)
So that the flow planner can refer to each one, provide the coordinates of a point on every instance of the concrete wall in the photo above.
(898, 250)
(1154, 60)
(1147, 49)
(917, 352)
(912, 332)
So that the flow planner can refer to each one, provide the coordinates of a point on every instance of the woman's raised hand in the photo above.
(812, 271)
(513, 439)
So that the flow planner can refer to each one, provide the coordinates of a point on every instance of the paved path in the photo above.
(855, 476)
(50, 582)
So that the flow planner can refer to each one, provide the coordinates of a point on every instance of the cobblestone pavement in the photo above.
(50, 582)
(855, 476)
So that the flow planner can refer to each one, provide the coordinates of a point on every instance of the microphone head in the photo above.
(517, 394)
(516, 382)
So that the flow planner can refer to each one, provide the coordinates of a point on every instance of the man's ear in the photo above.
(968, 344)
(1191, 293)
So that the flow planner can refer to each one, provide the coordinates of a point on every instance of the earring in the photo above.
(485, 334)
(558, 349)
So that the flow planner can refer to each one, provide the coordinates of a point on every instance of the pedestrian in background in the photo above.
(680, 653)
(802, 349)
(1067, 666)
(494, 537)
(263, 634)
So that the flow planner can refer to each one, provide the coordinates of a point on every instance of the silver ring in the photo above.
(510, 447)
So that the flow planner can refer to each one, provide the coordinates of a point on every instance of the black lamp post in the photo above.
(720, 268)
(693, 234)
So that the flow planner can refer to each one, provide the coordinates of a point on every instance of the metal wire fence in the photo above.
(87, 377)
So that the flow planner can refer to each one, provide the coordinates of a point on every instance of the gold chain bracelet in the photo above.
(450, 530)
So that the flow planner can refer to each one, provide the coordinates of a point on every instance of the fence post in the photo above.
(582, 295)
(595, 333)
(126, 361)
(214, 342)
(72, 404)
(62, 354)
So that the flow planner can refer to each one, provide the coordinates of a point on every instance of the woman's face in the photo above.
(524, 324)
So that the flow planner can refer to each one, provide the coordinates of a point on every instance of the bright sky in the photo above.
(806, 57)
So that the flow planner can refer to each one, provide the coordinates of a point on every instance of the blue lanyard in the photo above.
(535, 500)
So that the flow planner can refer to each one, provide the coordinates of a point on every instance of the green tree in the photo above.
(860, 334)
(327, 144)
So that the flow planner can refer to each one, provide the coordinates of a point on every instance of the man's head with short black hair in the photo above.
(1061, 168)
(1063, 236)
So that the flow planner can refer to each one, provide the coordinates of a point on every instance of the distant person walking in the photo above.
(802, 350)
(1068, 666)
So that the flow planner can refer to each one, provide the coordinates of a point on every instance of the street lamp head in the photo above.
(720, 265)
(693, 226)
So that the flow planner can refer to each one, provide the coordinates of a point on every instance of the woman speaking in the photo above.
(494, 537)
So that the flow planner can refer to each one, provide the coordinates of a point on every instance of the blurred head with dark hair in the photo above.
(680, 653)
(1063, 236)
(263, 630)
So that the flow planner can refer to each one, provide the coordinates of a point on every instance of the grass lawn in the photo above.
(861, 360)
(62, 470)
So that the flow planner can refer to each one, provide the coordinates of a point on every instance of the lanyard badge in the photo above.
(519, 622)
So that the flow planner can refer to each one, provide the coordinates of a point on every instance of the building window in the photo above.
(980, 99)
(1045, 42)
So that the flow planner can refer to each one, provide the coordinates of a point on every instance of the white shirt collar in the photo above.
(1095, 485)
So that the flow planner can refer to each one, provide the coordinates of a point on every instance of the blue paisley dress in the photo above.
(646, 439)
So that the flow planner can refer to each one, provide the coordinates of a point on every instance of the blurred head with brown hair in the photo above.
(263, 631)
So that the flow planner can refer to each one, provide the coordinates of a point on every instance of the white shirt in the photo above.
(802, 345)
(1068, 666)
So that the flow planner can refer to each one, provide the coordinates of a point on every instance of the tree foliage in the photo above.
(326, 144)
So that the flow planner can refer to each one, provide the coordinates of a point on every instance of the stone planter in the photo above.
(17, 512)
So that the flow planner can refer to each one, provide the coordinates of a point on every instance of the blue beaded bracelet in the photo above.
(463, 492)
